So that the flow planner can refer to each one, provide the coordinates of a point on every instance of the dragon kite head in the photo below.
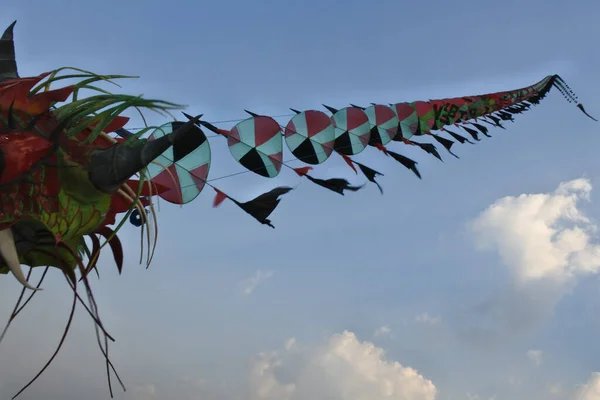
(62, 176)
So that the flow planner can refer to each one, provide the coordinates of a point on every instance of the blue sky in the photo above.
(186, 329)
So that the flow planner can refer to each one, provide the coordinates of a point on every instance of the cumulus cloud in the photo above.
(543, 236)
(342, 369)
(290, 343)
(425, 318)
(589, 390)
(382, 330)
(535, 356)
(250, 284)
(264, 382)
(546, 244)
(555, 389)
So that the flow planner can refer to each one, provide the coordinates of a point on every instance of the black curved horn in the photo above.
(8, 63)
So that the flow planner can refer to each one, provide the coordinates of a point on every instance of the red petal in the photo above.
(219, 198)
(116, 123)
(349, 162)
(302, 170)
(381, 147)
(52, 96)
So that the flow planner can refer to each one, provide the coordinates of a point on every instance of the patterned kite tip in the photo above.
(8, 33)
(331, 109)
(195, 120)
(580, 106)
(355, 106)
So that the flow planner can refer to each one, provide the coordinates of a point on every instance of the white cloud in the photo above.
(542, 236)
(382, 330)
(264, 383)
(342, 369)
(425, 318)
(589, 390)
(555, 389)
(257, 279)
(290, 343)
(535, 356)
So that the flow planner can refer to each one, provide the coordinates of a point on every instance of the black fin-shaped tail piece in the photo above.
(337, 185)
(195, 120)
(457, 137)
(580, 106)
(481, 128)
(260, 207)
(370, 174)
(407, 162)
(429, 148)
(496, 121)
(331, 109)
(447, 143)
(505, 116)
(295, 111)
(355, 106)
(474, 134)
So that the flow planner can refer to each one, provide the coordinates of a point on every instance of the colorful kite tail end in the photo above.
(580, 106)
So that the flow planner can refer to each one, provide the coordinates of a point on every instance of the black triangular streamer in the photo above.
(429, 148)
(481, 128)
(331, 109)
(337, 185)
(355, 106)
(370, 174)
(505, 116)
(474, 134)
(447, 143)
(262, 206)
(457, 137)
(496, 121)
(407, 162)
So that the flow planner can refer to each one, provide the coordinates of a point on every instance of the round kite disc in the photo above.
(384, 122)
(256, 143)
(409, 121)
(187, 176)
(352, 130)
(310, 136)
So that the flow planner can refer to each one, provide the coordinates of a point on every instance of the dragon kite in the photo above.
(71, 174)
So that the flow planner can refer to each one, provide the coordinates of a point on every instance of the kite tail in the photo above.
(569, 94)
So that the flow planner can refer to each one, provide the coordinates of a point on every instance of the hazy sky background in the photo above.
(482, 277)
